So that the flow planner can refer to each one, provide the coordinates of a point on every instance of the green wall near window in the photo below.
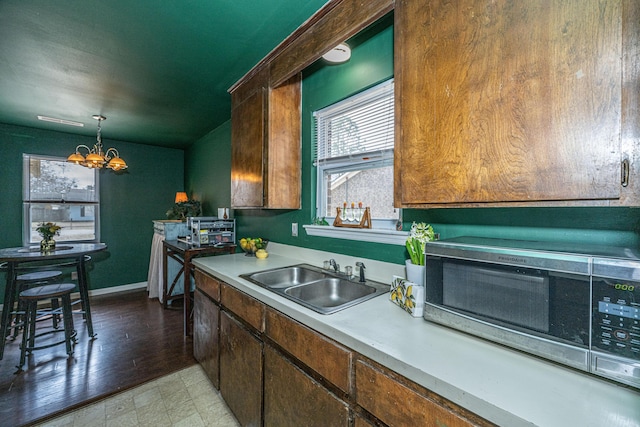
(129, 201)
(372, 62)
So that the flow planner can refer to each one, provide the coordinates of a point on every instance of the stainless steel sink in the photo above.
(285, 277)
(320, 290)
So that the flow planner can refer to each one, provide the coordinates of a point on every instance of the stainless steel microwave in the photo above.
(575, 305)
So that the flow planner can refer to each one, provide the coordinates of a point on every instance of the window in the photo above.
(354, 154)
(61, 192)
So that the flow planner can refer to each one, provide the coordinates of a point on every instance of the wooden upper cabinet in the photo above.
(266, 144)
(284, 146)
(266, 168)
(247, 136)
(514, 103)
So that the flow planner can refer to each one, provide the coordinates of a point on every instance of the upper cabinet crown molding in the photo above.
(334, 23)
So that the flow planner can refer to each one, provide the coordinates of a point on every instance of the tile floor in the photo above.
(185, 398)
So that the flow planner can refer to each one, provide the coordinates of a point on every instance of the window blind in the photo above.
(358, 128)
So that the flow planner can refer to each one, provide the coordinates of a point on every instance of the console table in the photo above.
(184, 253)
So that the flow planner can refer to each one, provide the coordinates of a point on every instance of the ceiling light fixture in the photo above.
(60, 121)
(338, 54)
(96, 157)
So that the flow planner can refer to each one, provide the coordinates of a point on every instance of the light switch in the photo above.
(294, 229)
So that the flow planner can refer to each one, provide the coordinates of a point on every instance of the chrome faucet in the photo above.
(362, 267)
(336, 267)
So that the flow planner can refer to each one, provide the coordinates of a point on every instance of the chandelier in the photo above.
(96, 157)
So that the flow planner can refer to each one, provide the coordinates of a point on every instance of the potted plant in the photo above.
(182, 210)
(47, 230)
(419, 235)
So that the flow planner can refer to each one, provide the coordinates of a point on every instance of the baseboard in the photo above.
(110, 290)
(116, 289)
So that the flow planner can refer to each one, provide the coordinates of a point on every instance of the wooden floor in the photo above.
(137, 341)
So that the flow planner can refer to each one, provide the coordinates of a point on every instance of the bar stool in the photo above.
(29, 280)
(31, 297)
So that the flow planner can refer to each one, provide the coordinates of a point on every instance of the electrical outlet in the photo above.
(74, 275)
(294, 229)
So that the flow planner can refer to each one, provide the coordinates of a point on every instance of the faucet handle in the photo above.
(362, 267)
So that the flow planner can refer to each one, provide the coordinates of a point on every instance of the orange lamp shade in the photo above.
(76, 158)
(117, 164)
(181, 197)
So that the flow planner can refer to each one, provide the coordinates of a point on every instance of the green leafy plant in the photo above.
(419, 235)
(48, 229)
(320, 221)
(183, 210)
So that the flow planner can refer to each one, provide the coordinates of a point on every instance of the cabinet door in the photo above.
(206, 346)
(292, 398)
(502, 101)
(240, 371)
(247, 137)
(283, 156)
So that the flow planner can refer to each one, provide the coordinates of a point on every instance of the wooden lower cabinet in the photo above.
(206, 346)
(241, 370)
(275, 371)
(292, 398)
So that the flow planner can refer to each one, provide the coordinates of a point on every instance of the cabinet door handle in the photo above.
(624, 178)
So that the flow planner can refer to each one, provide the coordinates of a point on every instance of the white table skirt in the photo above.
(154, 278)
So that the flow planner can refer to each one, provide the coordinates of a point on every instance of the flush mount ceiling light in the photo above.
(60, 121)
(96, 157)
(338, 54)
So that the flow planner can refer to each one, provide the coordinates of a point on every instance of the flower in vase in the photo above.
(48, 229)
(419, 235)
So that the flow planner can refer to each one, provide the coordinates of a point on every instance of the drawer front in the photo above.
(208, 285)
(244, 306)
(324, 356)
(395, 404)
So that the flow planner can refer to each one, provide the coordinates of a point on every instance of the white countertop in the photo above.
(502, 385)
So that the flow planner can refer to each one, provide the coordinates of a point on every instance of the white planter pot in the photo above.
(415, 273)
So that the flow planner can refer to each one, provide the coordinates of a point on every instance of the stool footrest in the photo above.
(73, 336)
(30, 298)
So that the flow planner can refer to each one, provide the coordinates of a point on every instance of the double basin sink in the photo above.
(320, 290)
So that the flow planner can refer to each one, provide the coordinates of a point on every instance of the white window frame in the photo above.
(28, 200)
(379, 157)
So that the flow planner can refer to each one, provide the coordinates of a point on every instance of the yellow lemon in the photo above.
(261, 254)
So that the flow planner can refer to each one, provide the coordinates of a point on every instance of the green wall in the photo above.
(208, 170)
(372, 62)
(129, 201)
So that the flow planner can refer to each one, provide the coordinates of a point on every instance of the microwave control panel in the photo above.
(616, 320)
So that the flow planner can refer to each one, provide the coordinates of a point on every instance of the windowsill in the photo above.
(375, 235)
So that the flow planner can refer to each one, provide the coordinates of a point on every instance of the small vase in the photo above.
(47, 244)
(415, 273)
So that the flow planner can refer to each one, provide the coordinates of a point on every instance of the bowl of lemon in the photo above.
(254, 246)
